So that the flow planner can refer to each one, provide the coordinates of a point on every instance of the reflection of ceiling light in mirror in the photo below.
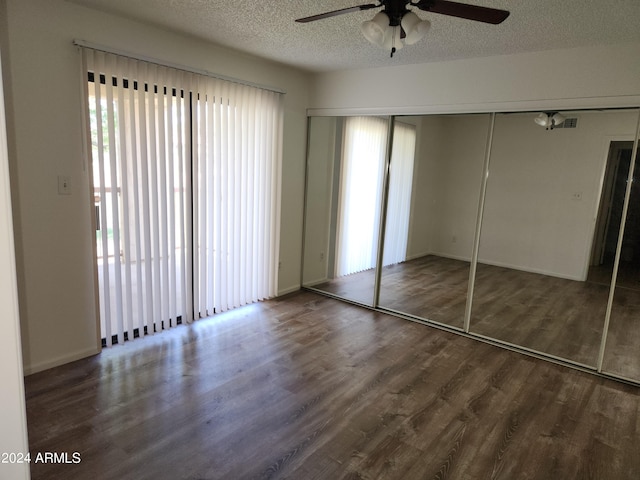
(549, 120)
(543, 120)
(380, 32)
(558, 118)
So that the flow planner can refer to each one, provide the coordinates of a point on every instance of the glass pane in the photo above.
(622, 354)
(427, 274)
(543, 277)
(345, 173)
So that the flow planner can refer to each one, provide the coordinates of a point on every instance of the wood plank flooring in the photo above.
(307, 387)
(555, 316)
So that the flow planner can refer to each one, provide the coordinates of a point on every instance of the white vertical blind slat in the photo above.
(165, 143)
(187, 198)
(115, 192)
(124, 142)
(136, 226)
(399, 197)
(171, 198)
(217, 187)
(143, 165)
(105, 291)
(211, 201)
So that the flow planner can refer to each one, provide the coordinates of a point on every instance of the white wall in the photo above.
(568, 78)
(53, 234)
(320, 174)
(13, 420)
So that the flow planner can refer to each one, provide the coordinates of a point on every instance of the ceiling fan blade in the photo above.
(463, 10)
(334, 13)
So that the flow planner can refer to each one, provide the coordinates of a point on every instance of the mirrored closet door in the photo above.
(433, 213)
(548, 236)
(621, 347)
(522, 228)
(346, 165)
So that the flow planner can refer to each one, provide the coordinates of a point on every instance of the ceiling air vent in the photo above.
(569, 123)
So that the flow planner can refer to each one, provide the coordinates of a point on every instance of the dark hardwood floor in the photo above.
(307, 387)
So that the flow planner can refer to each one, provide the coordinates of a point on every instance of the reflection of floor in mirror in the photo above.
(405, 287)
(623, 341)
(553, 315)
(556, 316)
(357, 287)
(628, 275)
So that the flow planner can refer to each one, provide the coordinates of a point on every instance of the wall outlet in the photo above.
(64, 185)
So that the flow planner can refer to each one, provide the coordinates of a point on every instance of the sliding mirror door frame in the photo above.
(609, 361)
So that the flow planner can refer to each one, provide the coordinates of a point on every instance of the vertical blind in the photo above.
(186, 172)
(237, 194)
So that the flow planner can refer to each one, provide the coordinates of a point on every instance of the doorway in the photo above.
(610, 217)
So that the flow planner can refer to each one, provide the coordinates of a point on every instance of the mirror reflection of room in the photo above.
(545, 233)
(535, 285)
(345, 177)
(432, 281)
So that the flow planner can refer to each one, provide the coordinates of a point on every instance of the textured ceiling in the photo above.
(266, 28)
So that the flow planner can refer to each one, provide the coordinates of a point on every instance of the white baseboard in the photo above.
(462, 258)
(418, 255)
(56, 362)
(522, 268)
(538, 271)
(287, 290)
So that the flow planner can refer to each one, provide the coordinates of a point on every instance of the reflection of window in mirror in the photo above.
(361, 182)
(344, 208)
(361, 191)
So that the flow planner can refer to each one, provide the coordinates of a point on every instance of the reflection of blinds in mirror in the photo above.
(360, 193)
(399, 201)
(360, 201)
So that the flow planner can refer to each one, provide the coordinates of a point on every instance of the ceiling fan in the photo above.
(395, 23)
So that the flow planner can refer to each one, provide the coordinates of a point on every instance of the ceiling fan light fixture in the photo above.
(415, 28)
(374, 30)
(392, 38)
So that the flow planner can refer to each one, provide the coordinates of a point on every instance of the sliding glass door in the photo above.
(186, 173)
